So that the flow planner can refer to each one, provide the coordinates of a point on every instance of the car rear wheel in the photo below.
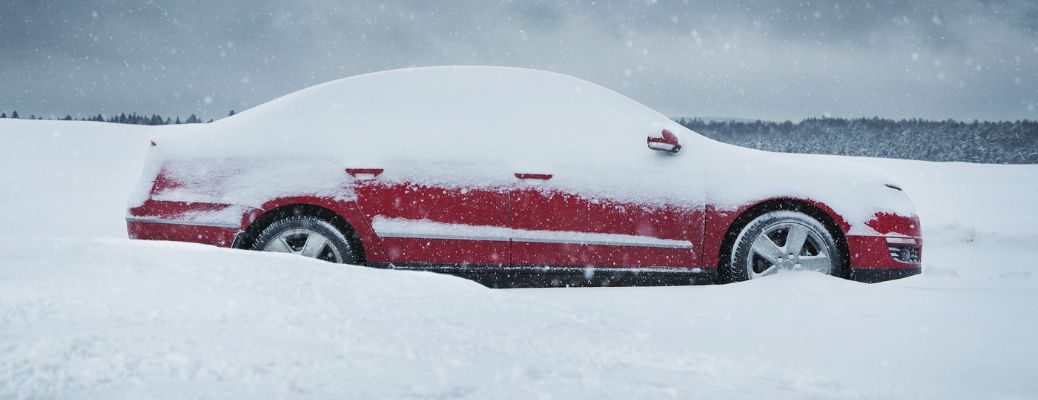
(782, 241)
(306, 236)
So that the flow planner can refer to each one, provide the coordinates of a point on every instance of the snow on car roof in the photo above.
(457, 112)
(446, 126)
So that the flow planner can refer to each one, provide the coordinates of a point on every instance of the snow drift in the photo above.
(85, 313)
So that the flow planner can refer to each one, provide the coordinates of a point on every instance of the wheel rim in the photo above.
(788, 246)
(306, 243)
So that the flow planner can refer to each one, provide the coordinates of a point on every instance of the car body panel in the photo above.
(621, 234)
(429, 204)
(562, 179)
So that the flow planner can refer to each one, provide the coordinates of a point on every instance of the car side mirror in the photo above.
(665, 141)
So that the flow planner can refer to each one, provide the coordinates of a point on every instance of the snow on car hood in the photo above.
(738, 176)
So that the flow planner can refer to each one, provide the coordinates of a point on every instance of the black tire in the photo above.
(818, 250)
(294, 234)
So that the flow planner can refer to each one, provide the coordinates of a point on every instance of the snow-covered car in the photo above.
(514, 177)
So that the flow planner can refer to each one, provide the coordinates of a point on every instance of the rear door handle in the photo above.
(542, 177)
(364, 173)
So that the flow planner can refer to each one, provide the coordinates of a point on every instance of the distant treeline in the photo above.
(917, 139)
(977, 142)
(123, 118)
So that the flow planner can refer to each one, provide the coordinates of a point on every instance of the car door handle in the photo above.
(364, 173)
(542, 177)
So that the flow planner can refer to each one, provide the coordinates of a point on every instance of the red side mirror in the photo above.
(665, 141)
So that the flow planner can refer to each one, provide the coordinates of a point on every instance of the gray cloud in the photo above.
(768, 59)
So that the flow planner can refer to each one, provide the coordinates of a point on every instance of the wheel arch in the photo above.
(833, 222)
(352, 228)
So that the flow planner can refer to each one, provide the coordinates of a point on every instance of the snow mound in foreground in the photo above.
(114, 314)
(115, 318)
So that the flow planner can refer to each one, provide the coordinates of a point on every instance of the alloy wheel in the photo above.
(304, 242)
(787, 245)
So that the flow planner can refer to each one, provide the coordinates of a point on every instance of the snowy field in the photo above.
(86, 313)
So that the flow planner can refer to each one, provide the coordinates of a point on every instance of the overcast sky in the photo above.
(755, 59)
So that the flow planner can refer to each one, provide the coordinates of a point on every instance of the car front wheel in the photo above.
(306, 236)
(782, 241)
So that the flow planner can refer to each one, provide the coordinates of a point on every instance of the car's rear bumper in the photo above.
(181, 231)
(206, 223)
(873, 257)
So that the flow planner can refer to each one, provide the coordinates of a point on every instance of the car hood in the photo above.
(738, 176)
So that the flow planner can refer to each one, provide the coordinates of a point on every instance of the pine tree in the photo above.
(3, 115)
(231, 114)
(14, 115)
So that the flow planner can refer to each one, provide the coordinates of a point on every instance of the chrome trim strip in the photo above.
(490, 238)
(401, 235)
(154, 220)
(606, 243)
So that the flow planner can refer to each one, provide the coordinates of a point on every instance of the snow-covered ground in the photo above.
(85, 313)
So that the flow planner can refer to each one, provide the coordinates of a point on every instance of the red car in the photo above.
(514, 177)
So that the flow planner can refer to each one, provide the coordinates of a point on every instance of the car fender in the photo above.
(349, 210)
(720, 220)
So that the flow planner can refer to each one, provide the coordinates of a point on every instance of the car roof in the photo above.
(453, 111)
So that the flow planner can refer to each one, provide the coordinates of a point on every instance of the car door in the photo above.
(557, 228)
(608, 209)
(435, 226)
